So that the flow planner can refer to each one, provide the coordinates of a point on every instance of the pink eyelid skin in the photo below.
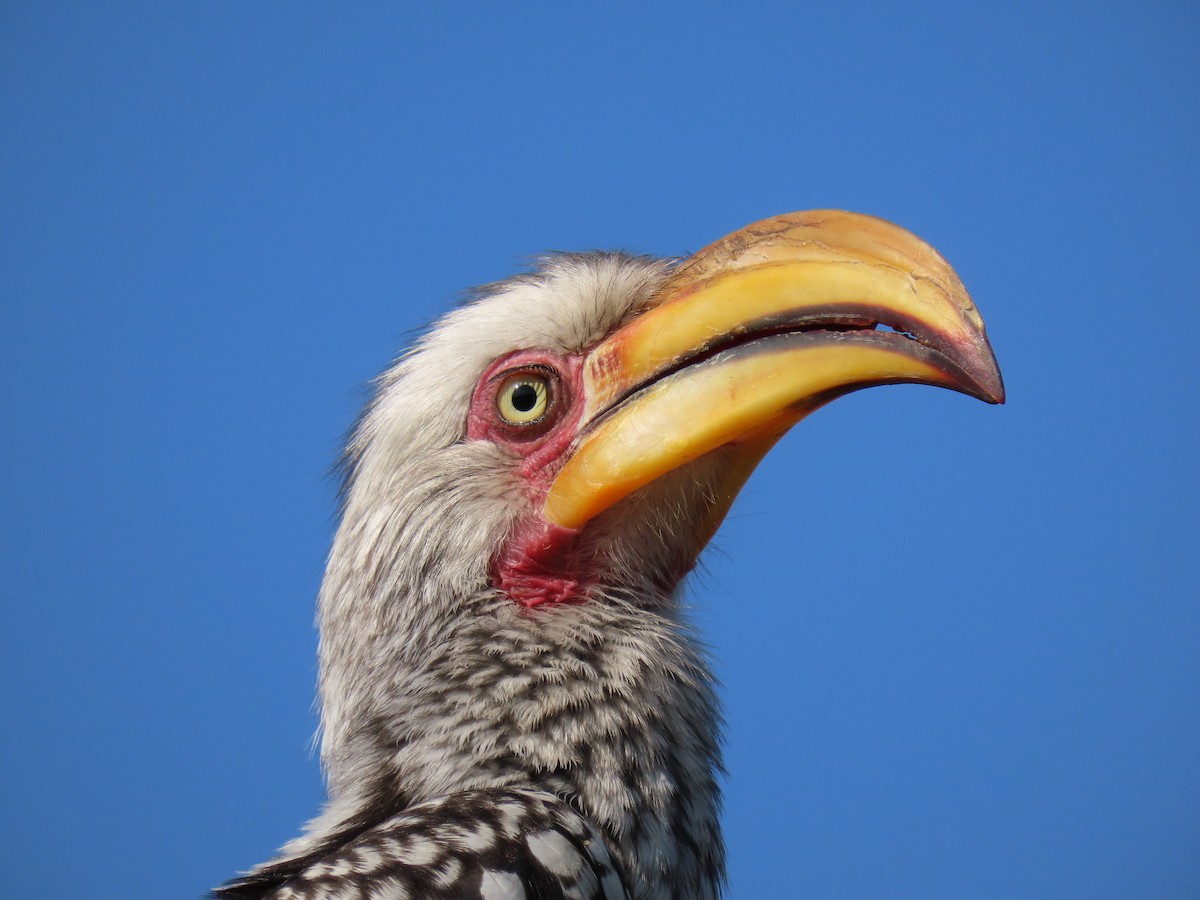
(542, 444)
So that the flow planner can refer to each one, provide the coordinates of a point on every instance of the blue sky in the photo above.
(960, 644)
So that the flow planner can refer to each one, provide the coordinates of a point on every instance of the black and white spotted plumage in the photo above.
(446, 707)
(493, 843)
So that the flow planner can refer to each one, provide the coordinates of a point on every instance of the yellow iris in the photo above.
(522, 399)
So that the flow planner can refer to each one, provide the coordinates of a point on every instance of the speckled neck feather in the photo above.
(435, 683)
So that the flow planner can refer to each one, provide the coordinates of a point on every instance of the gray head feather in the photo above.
(433, 682)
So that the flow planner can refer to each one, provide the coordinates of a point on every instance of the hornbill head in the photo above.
(533, 480)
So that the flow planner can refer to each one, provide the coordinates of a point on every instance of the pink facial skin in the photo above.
(537, 563)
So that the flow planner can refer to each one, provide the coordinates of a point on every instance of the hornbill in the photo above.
(513, 701)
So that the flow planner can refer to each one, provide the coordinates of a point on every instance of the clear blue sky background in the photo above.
(960, 644)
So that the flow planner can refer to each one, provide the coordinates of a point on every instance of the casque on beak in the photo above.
(753, 333)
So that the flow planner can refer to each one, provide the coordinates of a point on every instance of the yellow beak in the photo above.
(752, 334)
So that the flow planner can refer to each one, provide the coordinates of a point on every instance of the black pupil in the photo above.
(524, 397)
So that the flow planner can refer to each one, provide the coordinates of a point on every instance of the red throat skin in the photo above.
(537, 565)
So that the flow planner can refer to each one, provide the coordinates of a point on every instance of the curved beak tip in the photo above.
(779, 317)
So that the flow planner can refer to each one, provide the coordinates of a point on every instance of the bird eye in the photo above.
(523, 398)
